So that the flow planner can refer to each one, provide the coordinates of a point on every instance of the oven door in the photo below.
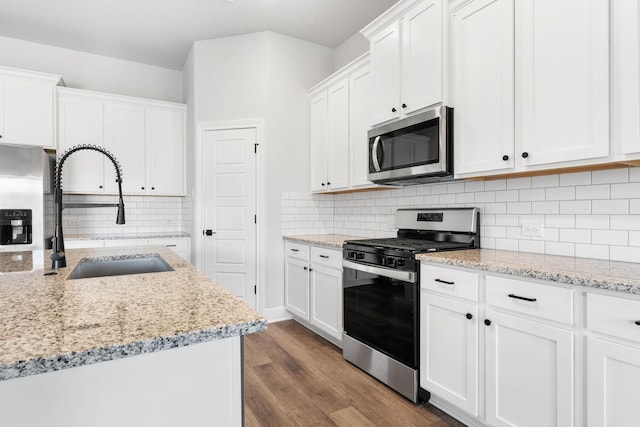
(380, 310)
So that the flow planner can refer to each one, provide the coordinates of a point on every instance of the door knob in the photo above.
(208, 232)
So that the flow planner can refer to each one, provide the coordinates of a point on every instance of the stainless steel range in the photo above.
(382, 292)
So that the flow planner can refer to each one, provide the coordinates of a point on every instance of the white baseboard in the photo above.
(276, 314)
(455, 412)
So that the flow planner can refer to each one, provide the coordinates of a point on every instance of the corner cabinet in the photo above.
(27, 107)
(339, 120)
(147, 137)
(313, 288)
(530, 85)
(406, 59)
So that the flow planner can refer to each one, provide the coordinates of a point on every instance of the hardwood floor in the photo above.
(295, 378)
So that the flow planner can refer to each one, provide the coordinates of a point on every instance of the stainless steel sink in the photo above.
(119, 265)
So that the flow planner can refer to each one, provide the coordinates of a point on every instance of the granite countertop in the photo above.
(127, 236)
(48, 323)
(328, 240)
(602, 274)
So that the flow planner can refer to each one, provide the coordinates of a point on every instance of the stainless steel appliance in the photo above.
(25, 185)
(414, 150)
(381, 292)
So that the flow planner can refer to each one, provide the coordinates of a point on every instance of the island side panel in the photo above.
(195, 385)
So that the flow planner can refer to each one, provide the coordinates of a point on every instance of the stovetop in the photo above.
(414, 246)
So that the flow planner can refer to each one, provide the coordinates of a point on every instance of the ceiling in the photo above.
(161, 32)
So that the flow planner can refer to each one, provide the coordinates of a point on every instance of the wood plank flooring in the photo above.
(295, 378)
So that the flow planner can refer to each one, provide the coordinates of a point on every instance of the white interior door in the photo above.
(228, 165)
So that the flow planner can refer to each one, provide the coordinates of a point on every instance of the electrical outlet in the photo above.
(533, 229)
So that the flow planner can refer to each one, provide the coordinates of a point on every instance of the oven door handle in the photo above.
(405, 276)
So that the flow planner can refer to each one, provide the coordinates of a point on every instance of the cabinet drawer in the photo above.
(448, 281)
(296, 250)
(176, 245)
(535, 299)
(614, 316)
(329, 257)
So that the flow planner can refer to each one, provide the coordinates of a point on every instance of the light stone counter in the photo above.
(602, 274)
(327, 240)
(48, 323)
(127, 236)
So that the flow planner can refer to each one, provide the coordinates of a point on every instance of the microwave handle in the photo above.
(374, 153)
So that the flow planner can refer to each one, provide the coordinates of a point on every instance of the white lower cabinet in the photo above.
(529, 372)
(613, 361)
(313, 288)
(497, 351)
(449, 350)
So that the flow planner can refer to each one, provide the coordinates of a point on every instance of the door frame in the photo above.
(201, 127)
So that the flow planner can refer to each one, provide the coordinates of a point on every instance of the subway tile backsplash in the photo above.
(144, 214)
(586, 214)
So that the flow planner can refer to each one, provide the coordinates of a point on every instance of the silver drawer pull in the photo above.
(523, 298)
(171, 246)
(445, 282)
(324, 256)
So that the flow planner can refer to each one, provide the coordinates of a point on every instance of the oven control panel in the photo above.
(380, 259)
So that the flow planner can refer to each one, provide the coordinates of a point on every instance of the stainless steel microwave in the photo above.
(414, 150)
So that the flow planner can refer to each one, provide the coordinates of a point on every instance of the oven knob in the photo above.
(359, 256)
(400, 262)
(390, 261)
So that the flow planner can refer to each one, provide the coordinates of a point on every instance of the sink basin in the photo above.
(119, 265)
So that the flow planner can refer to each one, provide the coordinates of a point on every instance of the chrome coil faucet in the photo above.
(58, 259)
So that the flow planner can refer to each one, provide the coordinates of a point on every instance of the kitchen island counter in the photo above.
(50, 323)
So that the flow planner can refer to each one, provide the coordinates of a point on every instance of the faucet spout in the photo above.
(58, 258)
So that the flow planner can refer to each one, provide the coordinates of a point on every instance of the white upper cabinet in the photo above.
(147, 138)
(319, 128)
(27, 107)
(483, 80)
(562, 78)
(359, 120)
(165, 151)
(406, 59)
(340, 111)
(81, 122)
(548, 64)
(124, 133)
(625, 108)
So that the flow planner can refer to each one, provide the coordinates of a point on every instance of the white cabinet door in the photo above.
(296, 276)
(26, 112)
(326, 297)
(562, 83)
(124, 134)
(421, 83)
(81, 121)
(319, 138)
(529, 373)
(625, 67)
(165, 152)
(613, 375)
(385, 74)
(338, 164)
(359, 121)
(483, 86)
(449, 350)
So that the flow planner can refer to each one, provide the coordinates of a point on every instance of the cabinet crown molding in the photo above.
(360, 61)
(62, 91)
(54, 79)
(390, 15)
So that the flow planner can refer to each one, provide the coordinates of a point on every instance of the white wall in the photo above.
(265, 76)
(83, 70)
(586, 214)
(350, 49)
